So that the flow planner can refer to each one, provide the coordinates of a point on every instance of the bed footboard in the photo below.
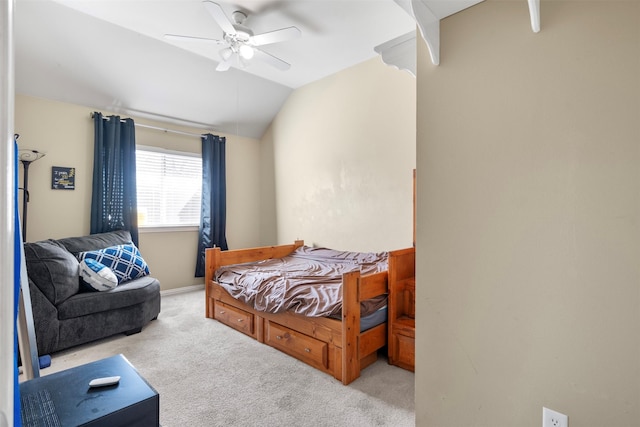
(215, 258)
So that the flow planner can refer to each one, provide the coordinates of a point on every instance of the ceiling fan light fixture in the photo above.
(243, 63)
(226, 53)
(246, 51)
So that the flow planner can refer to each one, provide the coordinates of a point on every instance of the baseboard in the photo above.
(182, 290)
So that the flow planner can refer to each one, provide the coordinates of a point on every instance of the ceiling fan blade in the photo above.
(177, 37)
(216, 11)
(276, 36)
(271, 60)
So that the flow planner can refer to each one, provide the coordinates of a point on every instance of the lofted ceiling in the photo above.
(112, 55)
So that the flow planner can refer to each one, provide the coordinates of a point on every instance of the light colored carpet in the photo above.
(210, 375)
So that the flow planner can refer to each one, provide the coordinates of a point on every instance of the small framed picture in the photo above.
(63, 178)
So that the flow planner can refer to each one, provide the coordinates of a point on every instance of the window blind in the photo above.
(169, 187)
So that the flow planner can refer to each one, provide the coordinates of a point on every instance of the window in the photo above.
(169, 187)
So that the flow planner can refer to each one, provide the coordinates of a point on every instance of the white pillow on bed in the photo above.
(97, 276)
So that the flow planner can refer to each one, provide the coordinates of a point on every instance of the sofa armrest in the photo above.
(52, 269)
(45, 320)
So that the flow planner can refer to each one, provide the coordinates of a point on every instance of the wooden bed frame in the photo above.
(330, 345)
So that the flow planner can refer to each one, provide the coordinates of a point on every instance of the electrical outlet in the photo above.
(551, 418)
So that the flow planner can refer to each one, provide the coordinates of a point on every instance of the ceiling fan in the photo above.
(241, 43)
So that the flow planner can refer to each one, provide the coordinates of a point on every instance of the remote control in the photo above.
(104, 382)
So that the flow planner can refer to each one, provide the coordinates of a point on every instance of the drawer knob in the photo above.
(308, 350)
(222, 312)
(278, 337)
(240, 320)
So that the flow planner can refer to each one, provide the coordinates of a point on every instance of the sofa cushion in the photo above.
(75, 245)
(97, 276)
(124, 260)
(53, 270)
(125, 295)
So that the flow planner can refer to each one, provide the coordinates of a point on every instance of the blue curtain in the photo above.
(17, 260)
(114, 202)
(213, 214)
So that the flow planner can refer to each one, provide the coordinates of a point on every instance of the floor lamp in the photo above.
(26, 330)
(26, 157)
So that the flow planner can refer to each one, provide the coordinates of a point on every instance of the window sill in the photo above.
(171, 229)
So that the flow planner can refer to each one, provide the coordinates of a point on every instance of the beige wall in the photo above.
(529, 217)
(268, 214)
(343, 155)
(65, 133)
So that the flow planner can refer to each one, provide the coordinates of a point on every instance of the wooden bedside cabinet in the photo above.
(402, 324)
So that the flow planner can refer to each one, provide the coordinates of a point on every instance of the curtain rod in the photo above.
(159, 128)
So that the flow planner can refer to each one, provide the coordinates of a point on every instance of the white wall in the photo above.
(528, 245)
(344, 152)
(65, 133)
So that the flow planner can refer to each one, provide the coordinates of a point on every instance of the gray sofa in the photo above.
(66, 313)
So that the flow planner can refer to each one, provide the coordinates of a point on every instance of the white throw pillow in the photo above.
(98, 276)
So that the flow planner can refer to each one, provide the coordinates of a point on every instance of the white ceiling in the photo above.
(111, 55)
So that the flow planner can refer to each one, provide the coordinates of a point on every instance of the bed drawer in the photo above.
(300, 346)
(234, 317)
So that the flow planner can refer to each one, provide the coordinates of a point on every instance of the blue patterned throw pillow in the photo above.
(124, 260)
(98, 276)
